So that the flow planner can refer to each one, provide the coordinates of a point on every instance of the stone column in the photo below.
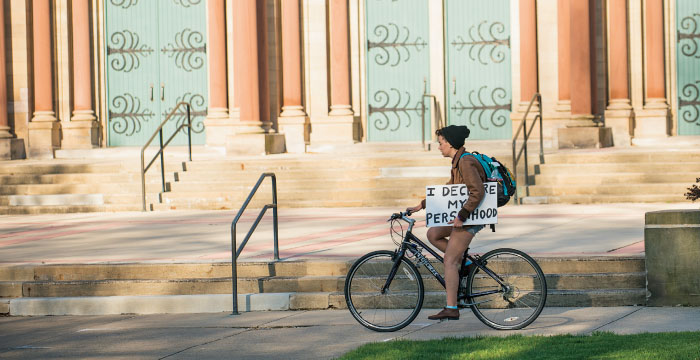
(338, 128)
(234, 113)
(340, 58)
(618, 114)
(5, 135)
(246, 68)
(651, 122)
(292, 119)
(528, 54)
(217, 124)
(580, 61)
(564, 66)
(581, 132)
(44, 128)
(250, 88)
(82, 131)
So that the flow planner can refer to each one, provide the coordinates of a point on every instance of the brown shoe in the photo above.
(446, 314)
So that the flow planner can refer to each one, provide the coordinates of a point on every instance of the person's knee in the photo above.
(433, 235)
(451, 260)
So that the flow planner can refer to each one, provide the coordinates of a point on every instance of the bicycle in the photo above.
(384, 290)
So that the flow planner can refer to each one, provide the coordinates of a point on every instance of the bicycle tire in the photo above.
(516, 306)
(392, 310)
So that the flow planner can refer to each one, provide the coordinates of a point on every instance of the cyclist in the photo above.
(465, 170)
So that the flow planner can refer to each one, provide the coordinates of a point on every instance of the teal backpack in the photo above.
(496, 171)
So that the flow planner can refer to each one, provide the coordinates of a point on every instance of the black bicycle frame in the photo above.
(413, 248)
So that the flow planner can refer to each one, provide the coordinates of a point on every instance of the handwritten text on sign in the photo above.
(443, 202)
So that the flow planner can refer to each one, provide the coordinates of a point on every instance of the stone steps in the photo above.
(590, 177)
(623, 156)
(594, 281)
(67, 209)
(616, 178)
(622, 169)
(279, 284)
(169, 271)
(294, 185)
(604, 199)
(613, 189)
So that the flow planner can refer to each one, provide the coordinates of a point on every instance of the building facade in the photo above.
(83, 74)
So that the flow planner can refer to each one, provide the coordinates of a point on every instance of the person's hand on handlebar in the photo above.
(414, 209)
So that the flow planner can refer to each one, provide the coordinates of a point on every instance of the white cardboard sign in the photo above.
(443, 202)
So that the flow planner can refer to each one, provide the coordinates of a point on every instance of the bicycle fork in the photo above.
(394, 269)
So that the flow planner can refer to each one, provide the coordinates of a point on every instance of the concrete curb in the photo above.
(173, 304)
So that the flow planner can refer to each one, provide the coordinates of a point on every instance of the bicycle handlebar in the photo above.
(400, 215)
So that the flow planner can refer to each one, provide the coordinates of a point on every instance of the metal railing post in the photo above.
(523, 149)
(527, 189)
(234, 274)
(159, 131)
(539, 98)
(143, 182)
(162, 164)
(189, 131)
(235, 252)
(422, 121)
(274, 217)
(515, 173)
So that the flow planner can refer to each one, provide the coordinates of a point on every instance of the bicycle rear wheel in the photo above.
(397, 306)
(516, 304)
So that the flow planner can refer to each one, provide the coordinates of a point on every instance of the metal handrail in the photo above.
(438, 118)
(234, 252)
(159, 130)
(526, 135)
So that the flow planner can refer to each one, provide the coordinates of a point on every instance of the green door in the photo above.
(156, 57)
(132, 71)
(183, 65)
(688, 69)
(398, 69)
(478, 76)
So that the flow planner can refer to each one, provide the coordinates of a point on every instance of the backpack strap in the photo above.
(479, 157)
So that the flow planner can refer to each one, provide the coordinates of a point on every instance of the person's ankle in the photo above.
(451, 307)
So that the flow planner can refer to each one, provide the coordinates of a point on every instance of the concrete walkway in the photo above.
(319, 334)
(204, 236)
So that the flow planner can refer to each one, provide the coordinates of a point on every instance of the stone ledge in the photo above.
(176, 304)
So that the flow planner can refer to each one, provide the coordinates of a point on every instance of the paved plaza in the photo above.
(321, 334)
(205, 236)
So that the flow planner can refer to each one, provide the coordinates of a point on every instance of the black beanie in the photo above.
(455, 135)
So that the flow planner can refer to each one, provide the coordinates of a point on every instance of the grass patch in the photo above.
(599, 345)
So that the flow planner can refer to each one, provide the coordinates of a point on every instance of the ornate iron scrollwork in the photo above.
(689, 104)
(497, 54)
(198, 112)
(396, 109)
(187, 3)
(188, 50)
(128, 115)
(125, 4)
(690, 47)
(385, 44)
(497, 118)
(127, 48)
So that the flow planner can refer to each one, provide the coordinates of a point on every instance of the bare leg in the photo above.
(438, 236)
(458, 244)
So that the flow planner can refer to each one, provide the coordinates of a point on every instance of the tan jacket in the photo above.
(467, 170)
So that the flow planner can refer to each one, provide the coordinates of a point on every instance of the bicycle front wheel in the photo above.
(388, 310)
(515, 302)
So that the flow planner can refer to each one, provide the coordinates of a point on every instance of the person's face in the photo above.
(444, 147)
